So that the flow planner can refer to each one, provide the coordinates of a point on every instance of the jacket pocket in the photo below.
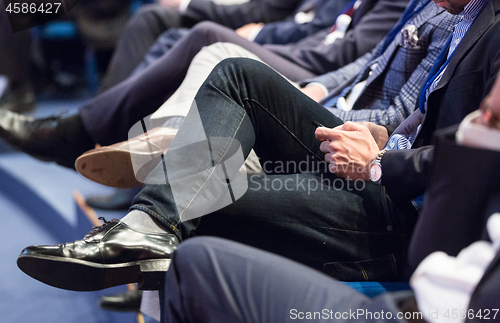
(378, 269)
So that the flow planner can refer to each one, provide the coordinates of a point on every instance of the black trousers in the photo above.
(139, 34)
(14, 52)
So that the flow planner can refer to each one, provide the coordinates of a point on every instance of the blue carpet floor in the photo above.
(37, 207)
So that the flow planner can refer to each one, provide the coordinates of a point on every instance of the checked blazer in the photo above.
(470, 75)
(392, 88)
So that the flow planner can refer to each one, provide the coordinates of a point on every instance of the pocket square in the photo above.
(408, 37)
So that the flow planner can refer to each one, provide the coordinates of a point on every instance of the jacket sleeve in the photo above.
(235, 16)
(290, 32)
(405, 172)
(368, 28)
(341, 77)
(364, 35)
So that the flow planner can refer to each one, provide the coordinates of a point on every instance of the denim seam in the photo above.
(284, 127)
(337, 229)
(215, 166)
(363, 271)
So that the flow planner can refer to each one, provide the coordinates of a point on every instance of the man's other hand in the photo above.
(379, 133)
(314, 92)
(349, 149)
(246, 30)
(170, 3)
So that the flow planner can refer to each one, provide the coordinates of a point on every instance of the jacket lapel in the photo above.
(483, 22)
(493, 267)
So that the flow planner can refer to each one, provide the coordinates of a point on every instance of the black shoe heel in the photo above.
(153, 274)
(104, 258)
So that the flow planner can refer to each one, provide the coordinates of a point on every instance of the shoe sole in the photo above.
(120, 309)
(108, 167)
(81, 275)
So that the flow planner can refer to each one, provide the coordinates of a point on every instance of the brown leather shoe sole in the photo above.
(108, 166)
(112, 166)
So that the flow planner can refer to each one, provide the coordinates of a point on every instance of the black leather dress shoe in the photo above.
(112, 254)
(129, 301)
(19, 100)
(41, 138)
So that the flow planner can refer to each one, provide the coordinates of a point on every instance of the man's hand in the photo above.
(491, 107)
(314, 92)
(246, 30)
(349, 148)
(379, 133)
(170, 3)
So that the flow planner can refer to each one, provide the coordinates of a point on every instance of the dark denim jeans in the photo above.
(351, 230)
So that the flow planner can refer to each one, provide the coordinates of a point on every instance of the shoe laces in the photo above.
(99, 228)
(49, 121)
(45, 122)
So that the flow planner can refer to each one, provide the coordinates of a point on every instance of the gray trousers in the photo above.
(215, 280)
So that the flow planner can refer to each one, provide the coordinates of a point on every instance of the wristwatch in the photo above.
(376, 168)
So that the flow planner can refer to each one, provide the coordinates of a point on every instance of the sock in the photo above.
(141, 221)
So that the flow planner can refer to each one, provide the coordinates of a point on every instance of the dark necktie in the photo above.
(348, 10)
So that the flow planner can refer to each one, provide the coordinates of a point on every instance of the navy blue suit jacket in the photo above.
(235, 16)
(370, 23)
(485, 296)
(284, 32)
(464, 191)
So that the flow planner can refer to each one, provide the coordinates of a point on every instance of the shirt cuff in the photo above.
(183, 6)
(325, 90)
(255, 31)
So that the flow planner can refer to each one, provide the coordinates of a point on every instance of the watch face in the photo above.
(375, 172)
